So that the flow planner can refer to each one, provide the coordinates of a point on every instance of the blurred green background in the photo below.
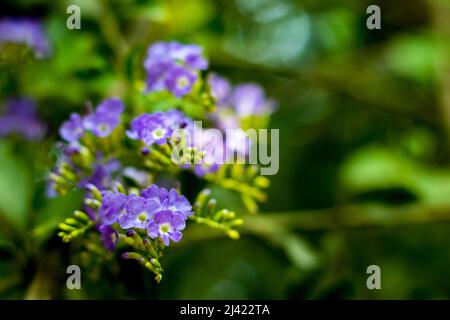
(364, 119)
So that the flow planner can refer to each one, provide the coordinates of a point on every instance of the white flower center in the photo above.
(103, 127)
(159, 133)
(182, 81)
(142, 216)
(164, 228)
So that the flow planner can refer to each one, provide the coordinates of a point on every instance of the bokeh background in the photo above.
(364, 119)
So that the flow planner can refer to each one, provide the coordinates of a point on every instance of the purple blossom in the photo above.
(109, 237)
(72, 129)
(234, 103)
(180, 81)
(166, 225)
(155, 131)
(102, 175)
(105, 119)
(220, 89)
(152, 128)
(210, 143)
(26, 31)
(112, 206)
(176, 119)
(137, 126)
(173, 66)
(201, 169)
(102, 179)
(226, 118)
(217, 149)
(21, 118)
(249, 99)
(157, 74)
(50, 191)
(157, 127)
(178, 204)
(155, 193)
(161, 212)
(139, 211)
(189, 55)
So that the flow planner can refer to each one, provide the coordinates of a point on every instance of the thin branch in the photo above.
(351, 217)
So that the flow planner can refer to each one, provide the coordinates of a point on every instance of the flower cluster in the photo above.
(204, 151)
(78, 165)
(160, 212)
(174, 67)
(21, 118)
(25, 31)
(101, 173)
(123, 172)
(156, 128)
(101, 122)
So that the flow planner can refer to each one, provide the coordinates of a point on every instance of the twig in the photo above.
(351, 217)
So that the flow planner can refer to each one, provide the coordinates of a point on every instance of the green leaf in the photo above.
(297, 250)
(375, 168)
(379, 168)
(417, 56)
(16, 186)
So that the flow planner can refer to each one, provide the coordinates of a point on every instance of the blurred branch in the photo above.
(349, 217)
(355, 78)
(352, 216)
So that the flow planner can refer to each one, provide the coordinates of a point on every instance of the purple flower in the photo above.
(111, 105)
(102, 179)
(250, 99)
(166, 225)
(150, 128)
(21, 118)
(180, 81)
(161, 212)
(234, 103)
(102, 176)
(137, 125)
(185, 54)
(139, 211)
(210, 143)
(25, 31)
(157, 127)
(178, 204)
(201, 169)
(220, 89)
(105, 119)
(157, 74)
(155, 193)
(173, 66)
(189, 54)
(176, 119)
(112, 206)
(226, 118)
(109, 237)
(72, 129)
